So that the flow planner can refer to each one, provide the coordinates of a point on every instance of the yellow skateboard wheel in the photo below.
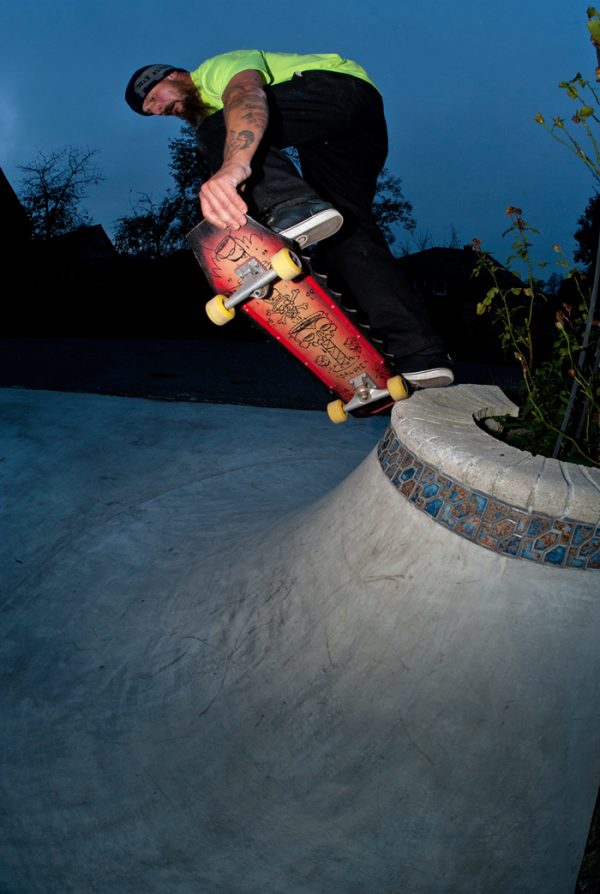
(336, 412)
(397, 388)
(285, 264)
(216, 311)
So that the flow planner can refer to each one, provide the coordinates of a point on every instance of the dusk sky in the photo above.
(461, 83)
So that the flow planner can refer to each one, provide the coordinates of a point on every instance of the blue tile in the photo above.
(469, 527)
(510, 547)
(481, 502)
(485, 520)
(433, 507)
(538, 526)
(556, 555)
(590, 546)
(582, 532)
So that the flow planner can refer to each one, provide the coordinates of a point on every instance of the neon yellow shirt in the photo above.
(211, 78)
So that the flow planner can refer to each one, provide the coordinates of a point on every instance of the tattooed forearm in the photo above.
(246, 99)
(246, 113)
(238, 141)
(253, 112)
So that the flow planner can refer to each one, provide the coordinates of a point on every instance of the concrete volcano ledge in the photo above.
(232, 664)
(439, 426)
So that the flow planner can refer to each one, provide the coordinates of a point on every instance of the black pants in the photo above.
(337, 125)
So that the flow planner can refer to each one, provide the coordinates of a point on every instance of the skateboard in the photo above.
(260, 270)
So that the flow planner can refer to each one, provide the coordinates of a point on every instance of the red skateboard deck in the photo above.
(300, 313)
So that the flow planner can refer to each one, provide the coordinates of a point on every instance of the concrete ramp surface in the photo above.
(236, 659)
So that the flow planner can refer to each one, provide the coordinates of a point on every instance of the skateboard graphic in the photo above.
(260, 268)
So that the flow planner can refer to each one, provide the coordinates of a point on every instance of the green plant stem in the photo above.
(528, 379)
(574, 147)
(585, 412)
(586, 339)
(594, 144)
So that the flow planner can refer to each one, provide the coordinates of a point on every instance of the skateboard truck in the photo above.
(366, 392)
(252, 272)
(256, 278)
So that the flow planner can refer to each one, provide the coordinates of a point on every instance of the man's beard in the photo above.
(190, 107)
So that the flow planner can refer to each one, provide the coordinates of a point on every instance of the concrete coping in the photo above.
(440, 427)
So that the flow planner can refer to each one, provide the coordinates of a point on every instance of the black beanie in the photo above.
(142, 82)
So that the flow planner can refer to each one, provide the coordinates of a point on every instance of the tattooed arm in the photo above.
(246, 116)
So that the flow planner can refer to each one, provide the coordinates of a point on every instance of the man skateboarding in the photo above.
(246, 107)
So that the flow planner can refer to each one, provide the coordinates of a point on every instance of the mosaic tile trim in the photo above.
(485, 520)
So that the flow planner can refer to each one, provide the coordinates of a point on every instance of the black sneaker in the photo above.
(306, 221)
(426, 370)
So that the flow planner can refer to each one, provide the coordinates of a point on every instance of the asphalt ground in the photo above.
(253, 373)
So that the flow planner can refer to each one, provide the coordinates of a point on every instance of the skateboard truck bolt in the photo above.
(366, 391)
